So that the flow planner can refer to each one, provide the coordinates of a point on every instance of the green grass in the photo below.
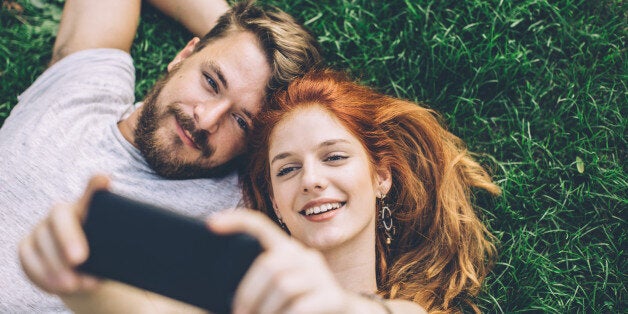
(532, 86)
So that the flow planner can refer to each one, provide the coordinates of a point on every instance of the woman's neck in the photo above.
(353, 264)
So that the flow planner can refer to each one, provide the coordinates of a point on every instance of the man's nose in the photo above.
(209, 115)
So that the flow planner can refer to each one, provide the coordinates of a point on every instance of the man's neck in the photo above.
(128, 125)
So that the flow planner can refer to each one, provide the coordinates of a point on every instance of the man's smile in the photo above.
(185, 136)
(189, 133)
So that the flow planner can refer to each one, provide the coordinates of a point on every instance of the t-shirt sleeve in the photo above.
(106, 75)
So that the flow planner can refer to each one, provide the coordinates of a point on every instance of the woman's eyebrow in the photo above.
(279, 157)
(333, 142)
(322, 144)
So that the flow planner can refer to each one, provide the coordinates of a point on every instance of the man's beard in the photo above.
(161, 158)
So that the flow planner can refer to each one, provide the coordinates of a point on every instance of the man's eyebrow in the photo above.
(216, 69)
(247, 113)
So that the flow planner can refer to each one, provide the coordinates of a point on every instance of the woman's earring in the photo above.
(386, 220)
(283, 225)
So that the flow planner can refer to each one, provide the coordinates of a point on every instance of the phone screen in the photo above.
(164, 252)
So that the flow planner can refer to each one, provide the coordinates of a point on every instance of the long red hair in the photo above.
(442, 251)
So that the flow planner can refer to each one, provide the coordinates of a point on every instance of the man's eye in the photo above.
(285, 171)
(211, 82)
(242, 123)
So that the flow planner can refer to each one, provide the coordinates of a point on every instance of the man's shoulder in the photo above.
(90, 55)
(93, 76)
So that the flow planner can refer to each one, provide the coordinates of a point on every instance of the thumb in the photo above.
(251, 222)
(96, 183)
(69, 229)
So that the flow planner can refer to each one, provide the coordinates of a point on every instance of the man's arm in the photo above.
(50, 253)
(198, 16)
(115, 297)
(87, 24)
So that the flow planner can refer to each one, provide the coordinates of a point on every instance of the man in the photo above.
(78, 118)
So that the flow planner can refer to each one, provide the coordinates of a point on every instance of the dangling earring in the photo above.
(283, 225)
(386, 220)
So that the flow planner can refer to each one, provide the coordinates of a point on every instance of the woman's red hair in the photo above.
(442, 251)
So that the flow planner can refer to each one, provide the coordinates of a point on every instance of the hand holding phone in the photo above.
(164, 252)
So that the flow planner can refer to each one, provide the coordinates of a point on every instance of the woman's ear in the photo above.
(275, 208)
(383, 179)
(184, 53)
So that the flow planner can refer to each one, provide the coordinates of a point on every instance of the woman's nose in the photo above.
(312, 179)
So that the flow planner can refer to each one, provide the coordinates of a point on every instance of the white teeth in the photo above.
(322, 208)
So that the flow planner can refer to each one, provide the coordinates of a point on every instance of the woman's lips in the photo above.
(323, 216)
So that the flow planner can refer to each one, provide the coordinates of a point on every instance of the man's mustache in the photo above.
(199, 136)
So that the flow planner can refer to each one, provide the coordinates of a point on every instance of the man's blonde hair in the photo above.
(290, 49)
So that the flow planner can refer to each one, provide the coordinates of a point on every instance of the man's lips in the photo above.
(185, 136)
(189, 134)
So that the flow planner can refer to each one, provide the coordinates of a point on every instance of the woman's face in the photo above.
(323, 186)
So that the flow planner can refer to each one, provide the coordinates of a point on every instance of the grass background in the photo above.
(537, 88)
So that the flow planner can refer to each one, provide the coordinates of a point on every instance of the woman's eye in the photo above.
(211, 82)
(335, 158)
(286, 170)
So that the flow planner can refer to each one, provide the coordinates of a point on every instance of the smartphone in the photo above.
(164, 252)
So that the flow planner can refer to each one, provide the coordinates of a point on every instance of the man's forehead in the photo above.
(237, 62)
(237, 59)
(249, 101)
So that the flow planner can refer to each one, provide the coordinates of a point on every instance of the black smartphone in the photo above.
(164, 252)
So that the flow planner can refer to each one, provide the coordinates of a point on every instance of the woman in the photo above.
(376, 197)
(415, 226)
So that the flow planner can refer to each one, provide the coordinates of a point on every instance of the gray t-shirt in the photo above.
(64, 130)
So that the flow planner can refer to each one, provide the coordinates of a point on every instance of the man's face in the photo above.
(197, 118)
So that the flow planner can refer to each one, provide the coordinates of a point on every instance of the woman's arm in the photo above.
(288, 277)
(373, 305)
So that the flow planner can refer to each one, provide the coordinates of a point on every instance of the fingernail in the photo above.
(75, 252)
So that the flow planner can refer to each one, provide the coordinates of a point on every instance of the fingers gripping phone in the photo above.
(164, 252)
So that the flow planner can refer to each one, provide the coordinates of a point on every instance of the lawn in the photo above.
(536, 88)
